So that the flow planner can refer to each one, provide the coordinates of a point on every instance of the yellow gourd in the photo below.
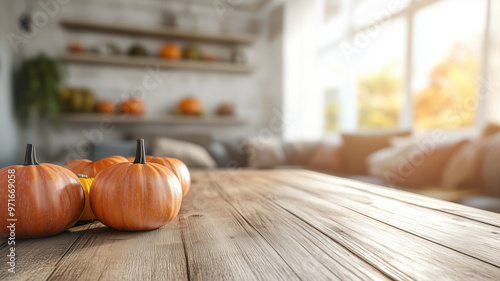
(87, 215)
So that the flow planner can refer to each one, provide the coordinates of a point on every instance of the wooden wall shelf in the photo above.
(166, 32)
(155, 61)
(89, 118)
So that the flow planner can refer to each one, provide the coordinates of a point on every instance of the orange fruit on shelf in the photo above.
(172, 52)
(106, 107)
(132, 107)
(190, 106)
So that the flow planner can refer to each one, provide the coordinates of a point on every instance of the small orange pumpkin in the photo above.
(172, 52)
(44, 199)
(135, 196)
(132, 107)
(87, 215)
(106, 107)
(178, 167)
(190, 106)
(90, 168)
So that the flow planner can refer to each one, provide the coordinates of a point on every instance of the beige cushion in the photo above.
(327, 157)
(265, 152)
(490, 168)
(464, 168)
(357, 147)
(193, 155)
(388, 159)
(298, 153)
(423, 166)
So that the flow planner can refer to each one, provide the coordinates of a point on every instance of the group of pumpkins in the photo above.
(46, 199)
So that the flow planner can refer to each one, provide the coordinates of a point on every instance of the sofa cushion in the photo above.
(265, 152)
(298, 153)
(357, 147)
(327, 157)
(464, 168)
(194, 156)
(490, 168)
(490, 130)
(411, 162)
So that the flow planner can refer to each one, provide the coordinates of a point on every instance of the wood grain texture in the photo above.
(279, 225)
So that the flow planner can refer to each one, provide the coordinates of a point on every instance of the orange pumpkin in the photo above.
(178, 167)
(132, 107)
(87, 215)
(135, 196)
(172, 52)
(190, 106)
(106, 107)
(90, 168)
(45, 199)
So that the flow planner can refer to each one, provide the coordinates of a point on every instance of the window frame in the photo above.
(406, 117)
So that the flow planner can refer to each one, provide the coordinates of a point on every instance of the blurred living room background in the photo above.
(399, 93)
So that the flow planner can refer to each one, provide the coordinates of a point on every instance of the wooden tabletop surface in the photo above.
(279, 225)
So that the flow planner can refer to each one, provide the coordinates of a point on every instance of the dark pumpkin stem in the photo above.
(30, 156)
(82, 176)
(140, 153)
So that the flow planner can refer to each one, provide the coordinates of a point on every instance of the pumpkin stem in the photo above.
(82, 176)
(30, 156)
(140, 153)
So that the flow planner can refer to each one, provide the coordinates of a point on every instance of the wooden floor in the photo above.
(279, 225)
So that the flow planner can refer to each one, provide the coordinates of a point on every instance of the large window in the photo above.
(405, 64)
(446, 63)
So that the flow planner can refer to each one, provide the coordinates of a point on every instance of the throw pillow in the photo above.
(298, 153)
(193, 155)
(265, 152)
(357, 147)
(490, 174)
(326, 157)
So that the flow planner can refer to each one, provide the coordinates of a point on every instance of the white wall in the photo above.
(254, 95)
(8, 127)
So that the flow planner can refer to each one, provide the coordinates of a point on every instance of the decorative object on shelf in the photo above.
(208, 57)
(91, 168)
(132, 107)
(106, 107)
(192, 52)
(237, 56)
(49, 199)
(190, 106)
(138, 50)
(77, 100)
(152, 197)
(172, 52)
(87, 214)
(36, 90)
(225, 109)
(76, 47)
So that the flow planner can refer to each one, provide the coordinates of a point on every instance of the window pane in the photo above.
(493, 87)
(380, 75)
(446, 62)
(367, 12)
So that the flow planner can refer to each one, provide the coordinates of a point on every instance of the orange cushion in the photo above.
(357, 147)
(490, 130)
(326, 157)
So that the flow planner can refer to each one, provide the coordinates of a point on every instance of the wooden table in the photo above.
(279, 225)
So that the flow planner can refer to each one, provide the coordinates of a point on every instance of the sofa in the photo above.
(462, 170)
